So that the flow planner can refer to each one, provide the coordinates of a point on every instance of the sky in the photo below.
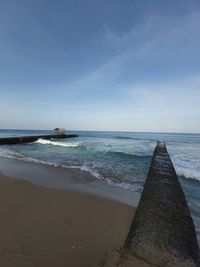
(119, 65)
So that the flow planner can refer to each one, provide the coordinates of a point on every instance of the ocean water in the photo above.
(121, 159)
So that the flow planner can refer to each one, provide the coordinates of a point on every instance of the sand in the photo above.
(42, 227)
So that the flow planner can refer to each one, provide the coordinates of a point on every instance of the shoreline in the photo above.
(52, 227)
(66, 179)
(46, 226)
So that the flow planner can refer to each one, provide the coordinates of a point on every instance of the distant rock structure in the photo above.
(59, 131)
(29, 139)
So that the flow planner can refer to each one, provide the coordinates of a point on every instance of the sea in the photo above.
(120, 159)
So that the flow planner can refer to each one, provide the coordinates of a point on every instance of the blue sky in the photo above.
(100, 65)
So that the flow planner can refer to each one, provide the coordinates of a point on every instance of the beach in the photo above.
(53, 227)
(72, 202)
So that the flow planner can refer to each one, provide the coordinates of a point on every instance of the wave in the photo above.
(15, 155)
(10, 154)
(133, 186)
(54, 143)
(136, 186)
(187, 167)
(6, 153)
(187, 173)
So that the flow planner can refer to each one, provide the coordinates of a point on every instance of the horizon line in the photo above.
(120, 131)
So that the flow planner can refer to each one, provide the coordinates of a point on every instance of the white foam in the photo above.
(6, 153)
(133, 187)
(54, 143)
(187, 167)
(91, 171)
(187, 173)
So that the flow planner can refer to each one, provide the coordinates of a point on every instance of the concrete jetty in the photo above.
(29, 139)
(162, 232)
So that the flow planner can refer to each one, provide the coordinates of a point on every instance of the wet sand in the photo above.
(44, 227)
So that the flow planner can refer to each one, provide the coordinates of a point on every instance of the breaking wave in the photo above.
(192, 174)
(133, 186)
(187, 167)
(54, 143)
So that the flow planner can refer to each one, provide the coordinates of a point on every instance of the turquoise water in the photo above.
(120, 159)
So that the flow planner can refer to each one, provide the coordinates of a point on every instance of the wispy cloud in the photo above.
(146, 78)
(158, 49)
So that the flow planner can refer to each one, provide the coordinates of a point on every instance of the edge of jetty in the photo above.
(162, 232)
(29, 139)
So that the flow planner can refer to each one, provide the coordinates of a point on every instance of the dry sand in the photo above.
(42, 227)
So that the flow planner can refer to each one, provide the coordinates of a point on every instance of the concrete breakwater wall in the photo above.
(29, 139)
(162, 232)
